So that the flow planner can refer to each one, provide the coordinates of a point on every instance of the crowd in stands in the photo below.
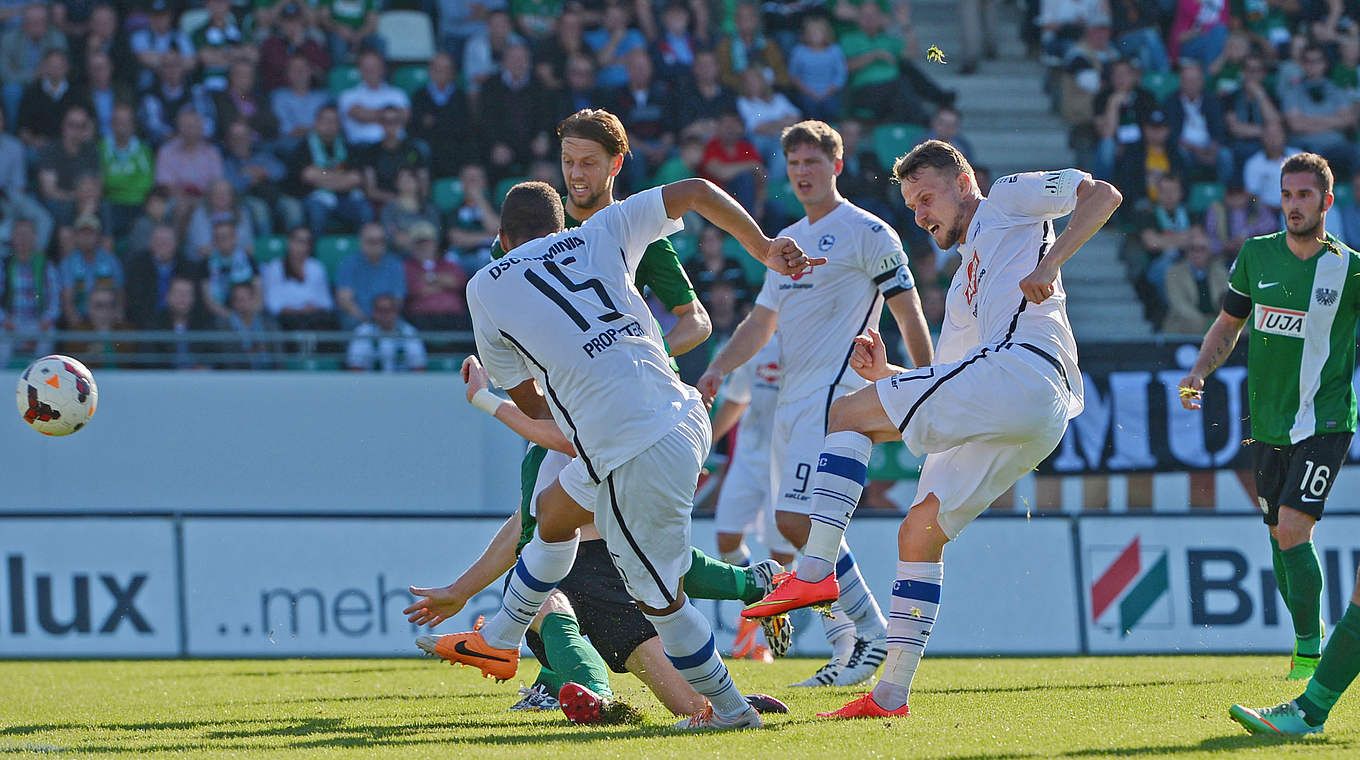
(1190, 107)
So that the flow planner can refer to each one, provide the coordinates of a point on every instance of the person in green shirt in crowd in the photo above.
(349, 25)
(127, 167)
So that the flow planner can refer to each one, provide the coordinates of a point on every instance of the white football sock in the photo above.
(836, 489)
(915, 603)
(687, 639)
(856, 599)
(840, 632)
(541, 566)
(741, 556)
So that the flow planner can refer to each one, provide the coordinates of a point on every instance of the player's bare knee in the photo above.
(557, 602)
(863, 413)
(729, 542)
(793, 526)
(1294, 528)
(920, 537)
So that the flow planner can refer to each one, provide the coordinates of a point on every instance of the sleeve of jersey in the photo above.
(1237, 298)
(504, 365)
(885, 263)
(737, 389)
(768, 295)
(661, 271)
(635, 223)
(1032, 196)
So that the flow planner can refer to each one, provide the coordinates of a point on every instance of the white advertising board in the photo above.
(88, 587)
(1186, 584)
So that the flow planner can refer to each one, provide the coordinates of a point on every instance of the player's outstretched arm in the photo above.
(911, 323)
(545, 433)
(780, 254)
(1096, 202)
(869, 357)
(749, 337)
(1218, 344)
(436, 605)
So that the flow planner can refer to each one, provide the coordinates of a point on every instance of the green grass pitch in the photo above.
(966, 709)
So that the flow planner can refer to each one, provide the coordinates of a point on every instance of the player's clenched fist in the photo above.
(1192, 391)
(785, 257)
(1038, 285)
(474, 375)
(869, 357)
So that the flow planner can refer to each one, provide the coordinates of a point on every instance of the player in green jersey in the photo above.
(1301, 290)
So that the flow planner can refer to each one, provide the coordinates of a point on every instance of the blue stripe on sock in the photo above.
(827, 521)
(522, 573)
(836, 495)
(696, 659)
(909, 589)
(850, 469)
(845, 564)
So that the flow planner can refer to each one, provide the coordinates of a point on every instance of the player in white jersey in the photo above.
(560, 312)
(994, 406)
(817, 317)
(746, 498)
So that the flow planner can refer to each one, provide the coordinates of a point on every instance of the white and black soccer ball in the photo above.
(56, 395)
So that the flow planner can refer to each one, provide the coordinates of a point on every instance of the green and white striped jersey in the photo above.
(1301, 354)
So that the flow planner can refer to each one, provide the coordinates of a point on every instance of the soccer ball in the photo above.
(56, 395)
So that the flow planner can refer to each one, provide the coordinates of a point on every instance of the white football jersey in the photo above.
(563, 310)
(1009, 233)
(821, 311)
(756, 384)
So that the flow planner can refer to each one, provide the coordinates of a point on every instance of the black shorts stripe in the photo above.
(575, 439)
(934, 387)
(623, 527)
(874, 306)
(1046, 357)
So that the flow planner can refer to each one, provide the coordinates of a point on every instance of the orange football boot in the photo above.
(864, 706)
(791, 593)
(471, 649)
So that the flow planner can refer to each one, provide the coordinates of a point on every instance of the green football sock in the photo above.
(1281, 577)
(573, 658)
(1335, 671)
(1304, 572)
(709, 578)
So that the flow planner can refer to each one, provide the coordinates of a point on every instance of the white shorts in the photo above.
(796, 445)
(642, 508)
(745, 502)
(979, 440)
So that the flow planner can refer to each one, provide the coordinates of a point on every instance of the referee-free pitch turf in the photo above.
(973, 709)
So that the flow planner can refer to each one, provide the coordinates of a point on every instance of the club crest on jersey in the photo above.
(1276, 321)
(970, 290)
(1326, 296)
(826, 242)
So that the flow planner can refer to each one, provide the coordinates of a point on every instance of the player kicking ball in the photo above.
(1005, 327)
(560, 312)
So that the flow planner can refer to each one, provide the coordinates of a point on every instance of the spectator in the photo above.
(156, 211)
(1199, 30)
(128, 171)
(89, 201)
(882, 83)
(784, 18)
(322, 172)
(579, 90)
(818, 70)
(365, 275)
(765, 113)
(391, 154)
(945, 125)
(151, 42)
(977, 27)
(1194, 287)
(474, 224)
(514, 116)
(188, 163)
(386, 343)
(99, 351)
(707, 98)
(30, 292)
(1261, 174)
(171, 93)
(1248, 110)
(101, 91)
(295, 106)
(227, 264)
(483, 53)
(1086, 60)
(15, 200)
(749, 46)
(45, 100)
(361, 106)
(676, 46)
(239, 101)
(685, 164)
(23, 49)
(87, 267)
(64, 161)
(1238, 216)
(536, 18)
(555, 53)
(1137, 27)
(219, 42)
(218, 203)
(1144, 162)
(713, 266)
(1319, 113)
(249, 348)
(863, 179)
(103, 35)
(254, 174)
(647, 106)
(297, 292)
(1349, 213)
(1061, 23)
(149, 273)
(461, 20)
(440, 110)
(351, 27)
(409, 206)
(733, 163)
(1165, 231)
(289, 40)
(434, 285)
(181, 316)
(1225, 73)
(612, 43)
(1196, 119)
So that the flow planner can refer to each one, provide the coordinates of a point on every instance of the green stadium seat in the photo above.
(1202, 195)
(503, 187)
(410, 78)
(332, 249)
(1161, 83)
(270, 247)
(341, 78)
(448, 194)
(894, 140)
(406, 35)
(315, 363)
(1344, 194)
